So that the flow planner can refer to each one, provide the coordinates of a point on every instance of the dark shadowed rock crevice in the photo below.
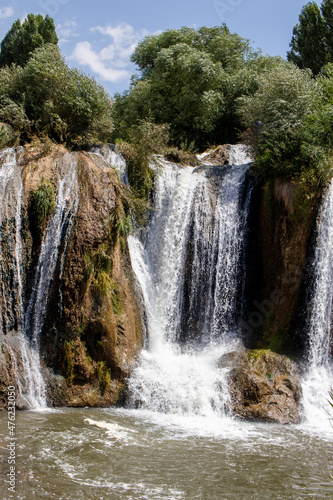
(277, 268)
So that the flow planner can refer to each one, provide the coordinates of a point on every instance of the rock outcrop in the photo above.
(278, 263)
(263, 386)
(92, 329)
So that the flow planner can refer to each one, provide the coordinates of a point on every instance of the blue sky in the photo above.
(99, 35)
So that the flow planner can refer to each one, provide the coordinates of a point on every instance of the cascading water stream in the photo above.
(25, 361)
(11, 244)
(65, 208)
(319, 378)
(113, 158)
(20, 330)
(188, 266)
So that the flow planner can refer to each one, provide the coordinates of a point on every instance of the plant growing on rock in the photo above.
(104, 376)
(43, 203)
(144, 139)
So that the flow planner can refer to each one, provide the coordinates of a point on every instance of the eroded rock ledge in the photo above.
(263, 386)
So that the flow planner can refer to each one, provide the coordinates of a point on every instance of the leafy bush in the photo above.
(146, 138)
(285, 96)
(43, 202)
(47, 98)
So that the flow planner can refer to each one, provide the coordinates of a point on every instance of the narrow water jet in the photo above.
(319, 377)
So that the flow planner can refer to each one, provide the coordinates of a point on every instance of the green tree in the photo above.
(23, 38)
(285, 97)
(190, 79)
(45, 97)
(311, 43)
(327, 11)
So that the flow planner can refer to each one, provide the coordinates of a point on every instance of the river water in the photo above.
(121, 454)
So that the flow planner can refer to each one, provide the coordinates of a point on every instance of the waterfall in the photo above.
(65, 208)
(11, 244)
(21, 329)
(319, 378)
(24, 359)
(113, 158)
(188, 264)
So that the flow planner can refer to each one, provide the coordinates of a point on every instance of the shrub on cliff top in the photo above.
(295, 135)
(47, 98)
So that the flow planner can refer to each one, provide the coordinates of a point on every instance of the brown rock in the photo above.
(218, 156)
(100, 326)
(264, 386)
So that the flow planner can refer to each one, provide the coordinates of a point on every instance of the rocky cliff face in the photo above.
(278, 267)
(92, 327)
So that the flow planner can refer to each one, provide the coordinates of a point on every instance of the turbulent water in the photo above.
(27, 323)
(188, 265)
(99, 454)
(175, 441)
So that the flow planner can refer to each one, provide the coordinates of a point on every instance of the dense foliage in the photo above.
(23, 38)
(312, 41)
(46, 98)
(295, 137)
(145, 140)
(196, 87)
(190, 80)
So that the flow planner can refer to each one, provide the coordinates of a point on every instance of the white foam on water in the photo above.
(181, 383)
(112, 430)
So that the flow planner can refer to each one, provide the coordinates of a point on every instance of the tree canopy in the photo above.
(190, 80)
(312, 41)
(23, 38)
(45, 97)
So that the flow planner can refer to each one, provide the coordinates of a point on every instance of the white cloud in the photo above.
(85, 55)
(6, 12)
(66, 31)
(110, 62)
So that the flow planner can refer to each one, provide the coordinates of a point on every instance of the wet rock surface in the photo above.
(92, 329)
(263, 386)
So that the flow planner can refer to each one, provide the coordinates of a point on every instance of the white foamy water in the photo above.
(193, 249)
(319, 377)
(136, 454)
(237, 154)
(114, 159)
